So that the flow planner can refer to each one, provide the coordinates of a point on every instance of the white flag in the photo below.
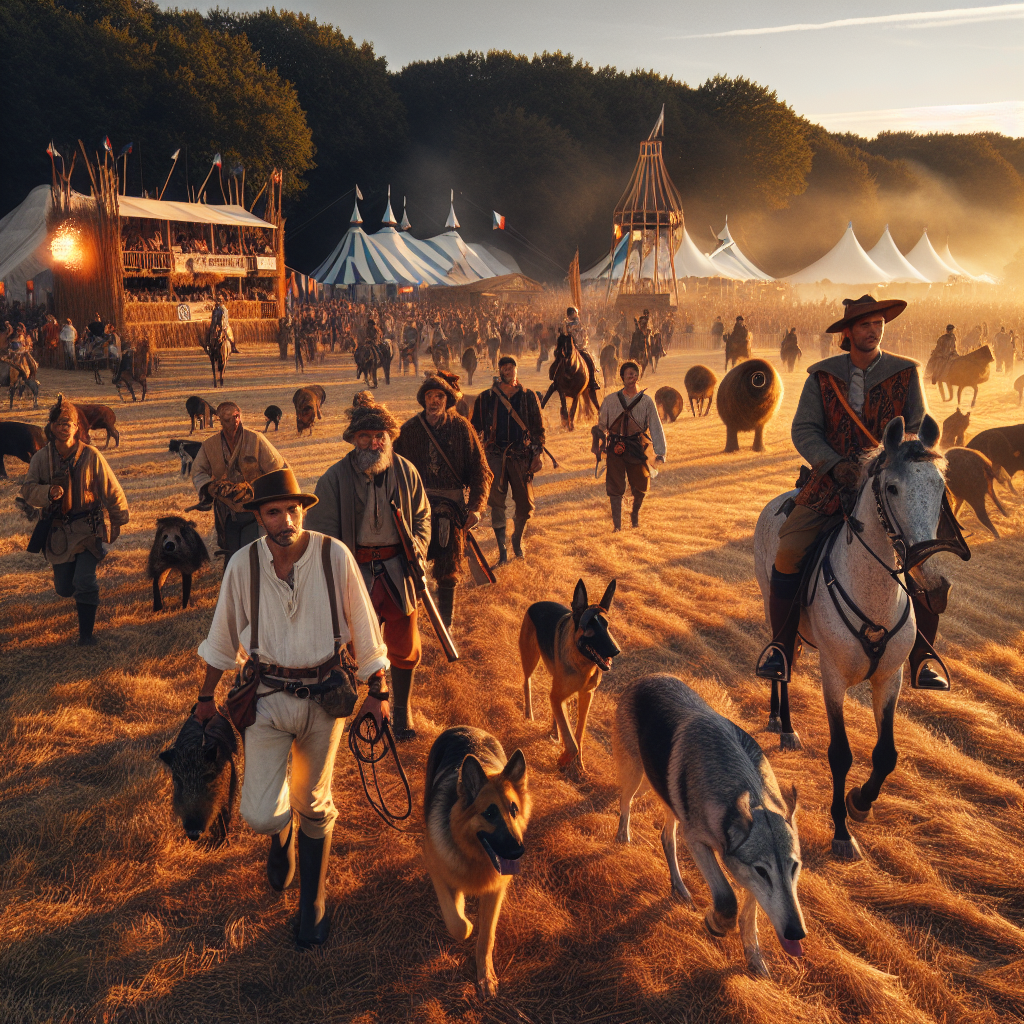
(174, 155)
(359, 195)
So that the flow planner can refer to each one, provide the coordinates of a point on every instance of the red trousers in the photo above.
(401, 634)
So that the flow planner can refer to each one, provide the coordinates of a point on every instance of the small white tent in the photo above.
(947, 257)
(24, 249)
(731, 262)
(845, 263)
(885, 255)
(927, 262)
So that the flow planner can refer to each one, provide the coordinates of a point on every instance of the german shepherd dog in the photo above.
(476, 807)
(576, 647)
(712, 777)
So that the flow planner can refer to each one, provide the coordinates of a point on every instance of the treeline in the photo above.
(549, 141)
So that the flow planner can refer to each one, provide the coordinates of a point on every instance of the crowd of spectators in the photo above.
(139, 235)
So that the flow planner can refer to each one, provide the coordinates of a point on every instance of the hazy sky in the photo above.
(929, 64)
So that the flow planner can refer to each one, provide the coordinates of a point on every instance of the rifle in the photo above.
(416, 572)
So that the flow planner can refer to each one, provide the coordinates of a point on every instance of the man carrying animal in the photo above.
(292, 601)
(73, 485)
(631, 427)
(223, 473)
(511, 427)
(846, 403)
(446, 451)
(355, 506)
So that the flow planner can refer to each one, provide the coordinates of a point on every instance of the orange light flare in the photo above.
(65, 247)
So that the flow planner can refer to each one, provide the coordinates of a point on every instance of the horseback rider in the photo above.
(878, 387)
(573, 326)
(219, 319)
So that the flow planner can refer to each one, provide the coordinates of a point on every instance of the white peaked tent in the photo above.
(24, 251)
(405, 263)
(466, 264)
(499, 261)
(947, 257)
(885, 255)
(355, 260)
(689, 262)
(845, 263)
(599, 271)
(731, 262)
(927, 262)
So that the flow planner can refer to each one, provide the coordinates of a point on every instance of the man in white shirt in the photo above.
(632, 427)
(295, 639)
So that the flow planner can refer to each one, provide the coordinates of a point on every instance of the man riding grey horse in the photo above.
(846, 402)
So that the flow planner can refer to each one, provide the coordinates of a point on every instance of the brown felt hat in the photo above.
(855, 309)
(275, 486)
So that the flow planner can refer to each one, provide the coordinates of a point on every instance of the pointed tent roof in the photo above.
(885, 255)
(357, 217)
(927, 262)
(355, 260)
(845, 263)
(947, 257)
(405, 225)
(389, 218)
(500, 262)
(404, 261)
(452, 223)
(689, 262)
(732, 262)
(24, 247)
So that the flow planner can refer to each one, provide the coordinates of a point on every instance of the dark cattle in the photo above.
(202, 766)
(201, 410)
(95, 417)
(953, 428)
(469, 363)
(970, 476)
(177, 546)
(186, 451)
(700, 384)
(385, 353)
(20, 441)
(307, 402)
(1004, 446)
(747, 399)
(669, 403)
(272, 414)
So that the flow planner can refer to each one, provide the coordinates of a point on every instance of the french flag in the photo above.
(107, 146)
(217, 160)
(497, 221)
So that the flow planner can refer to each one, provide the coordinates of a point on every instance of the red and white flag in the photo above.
(107, 146)
(217, 160)
(497, 221)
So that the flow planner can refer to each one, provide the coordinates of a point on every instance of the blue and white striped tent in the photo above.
(393, 247)
(356, 260)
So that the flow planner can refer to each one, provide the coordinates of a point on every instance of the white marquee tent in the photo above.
(927, 262)
(885, 255)
(689, 262)
(356, 260)
(947, 257)
(731, 262)
(395, 248)
(845, 263)
(24, 251)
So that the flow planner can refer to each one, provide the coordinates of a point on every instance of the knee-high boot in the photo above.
(401, 712)
(634, 515)
(499, 536)
(927, 672)
(616, 502)
(281, 859)
(314, 922)
(517, 537)
(446, 604)
(776, 661)
(86, 624)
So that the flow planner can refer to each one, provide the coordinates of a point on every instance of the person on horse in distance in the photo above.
(513, 453)
(630, 422)
(445, 450)
(573, 326)
(219, 318)
(296, 644)
(878, 386)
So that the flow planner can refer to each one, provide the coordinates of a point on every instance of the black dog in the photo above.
(20, 440)
(273, 415)
(186, 451)
(199, 409)
(176, 546)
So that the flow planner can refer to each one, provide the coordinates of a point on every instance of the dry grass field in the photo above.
(110, 914)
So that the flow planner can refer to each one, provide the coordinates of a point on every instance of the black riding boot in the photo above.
(517, 538)
(927, 671)
(281, 859)
(634, 516)
(401, 713)
(314, 923)
(616, 501)
(499, 536)
(86, 624)
(776, 661)
(446, 604)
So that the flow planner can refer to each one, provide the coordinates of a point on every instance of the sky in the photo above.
(863, 67)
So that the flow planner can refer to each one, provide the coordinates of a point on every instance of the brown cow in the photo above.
(307, 402)
(700, 384)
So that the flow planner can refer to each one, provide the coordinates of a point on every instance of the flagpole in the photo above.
(205, 180)
(169, 173)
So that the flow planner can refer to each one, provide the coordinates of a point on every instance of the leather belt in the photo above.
(368, 554)
(281, 672)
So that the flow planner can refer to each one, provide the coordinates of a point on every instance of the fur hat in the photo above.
(440, 380)
(366, 414)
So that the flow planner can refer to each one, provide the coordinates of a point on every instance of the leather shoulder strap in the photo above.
(332, 596)
(433, 440)
(254, 596)
(849, 409)
(508, 407)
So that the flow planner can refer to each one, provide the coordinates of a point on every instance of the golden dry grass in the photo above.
(110, 914)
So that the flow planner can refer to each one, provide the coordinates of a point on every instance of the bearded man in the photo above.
(355, 497)
(222, 474)
(445, 450)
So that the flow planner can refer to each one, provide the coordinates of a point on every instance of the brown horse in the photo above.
(962, 372)
(219, 350)
(569, 377)
(736, 348)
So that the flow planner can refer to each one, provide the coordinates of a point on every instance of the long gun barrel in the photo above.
(416, 571)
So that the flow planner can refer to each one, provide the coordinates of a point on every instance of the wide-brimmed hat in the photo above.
(440, 380)
(865, 305)
(275, 486)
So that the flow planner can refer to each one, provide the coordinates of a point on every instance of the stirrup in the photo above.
(925, 677)
(769, 667)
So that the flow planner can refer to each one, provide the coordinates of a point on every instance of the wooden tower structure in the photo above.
(650, 217)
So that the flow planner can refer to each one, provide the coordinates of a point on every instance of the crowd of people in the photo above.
(146, 236)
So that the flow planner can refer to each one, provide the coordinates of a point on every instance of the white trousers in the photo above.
(289, 725)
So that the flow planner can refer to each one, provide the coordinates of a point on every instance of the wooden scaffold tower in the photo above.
(650, 217)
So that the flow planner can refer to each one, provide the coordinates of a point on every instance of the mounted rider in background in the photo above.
(573, 326)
